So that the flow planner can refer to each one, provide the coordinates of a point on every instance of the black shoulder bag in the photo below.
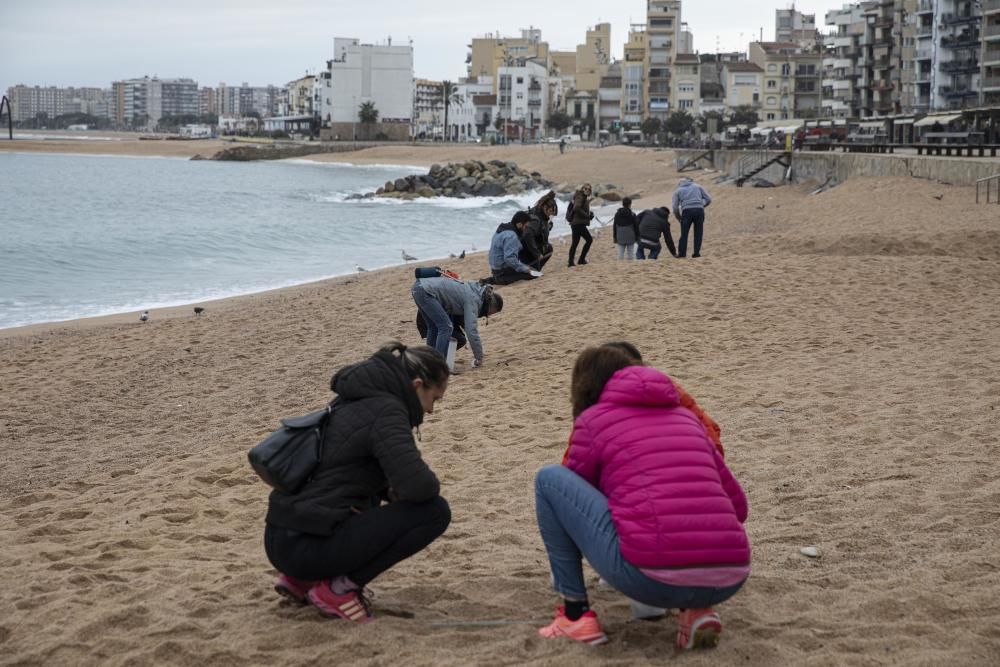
(287, 458)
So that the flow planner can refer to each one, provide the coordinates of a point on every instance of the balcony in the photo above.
(956, 66)
(991, 83)
(991, 31)
(990, 6)
(925, 31)
(925, 7)
(992, 57)
(882, 85)
(957, 91)
(958, 19)
(961, 41)
(534, 103)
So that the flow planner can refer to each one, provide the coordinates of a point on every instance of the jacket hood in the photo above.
(506, 227)
(640, 386)
(380, 375)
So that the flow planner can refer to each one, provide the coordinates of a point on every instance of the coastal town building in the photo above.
(593, 57)
(663, 36)
(488, 53)
(523, 98)
(743, 83)
(246, 100)
(143, 102)
(634, 77)
(609, 96)
(792, 77)
(958, 45)
(843, 77)
(990, 77)
(792, 26)
(380, 74)
(27, 102)
(686, 80)
(428, 109)
(296, 98)
(208, 101)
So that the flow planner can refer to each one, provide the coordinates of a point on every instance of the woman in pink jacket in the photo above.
(645, 496)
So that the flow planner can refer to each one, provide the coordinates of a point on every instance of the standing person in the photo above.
(690, 201)
(626, 229)
(536, 249)
(439, 299)
(505, 248)
(654, 222)
(372, 501)
(578, 223)
(645, 496)
(562, 145)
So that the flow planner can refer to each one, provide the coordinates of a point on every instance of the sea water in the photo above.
(82, 236)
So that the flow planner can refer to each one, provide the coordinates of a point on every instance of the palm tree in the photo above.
(368, 115)
(450, 95)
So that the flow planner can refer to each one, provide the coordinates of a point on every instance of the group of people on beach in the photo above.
(642, 492)
(635, 235)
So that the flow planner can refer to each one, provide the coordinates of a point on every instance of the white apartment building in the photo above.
(634, 76)
(428, 108)
(791, 25)
(296, 99)
(144, 101)
(523, 98)
(744, 84)
(843, 77)
(27, 102)
(686, 93)
(990, 78)
(957, 46)
(609, 99)
(358, 73)
(663, 37)
(245, 99)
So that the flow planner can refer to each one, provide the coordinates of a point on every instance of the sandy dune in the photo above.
(847, 343)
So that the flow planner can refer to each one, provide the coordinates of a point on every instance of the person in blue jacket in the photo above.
(505, 248)
(689, 203)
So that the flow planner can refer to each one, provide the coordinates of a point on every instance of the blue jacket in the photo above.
(504, 248)
(689, 196)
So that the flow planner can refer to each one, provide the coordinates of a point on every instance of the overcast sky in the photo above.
(91, 43)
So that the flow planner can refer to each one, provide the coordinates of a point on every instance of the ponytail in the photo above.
(421, 362)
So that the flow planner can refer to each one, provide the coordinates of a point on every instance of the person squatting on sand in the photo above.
(645, 496)
(505, 248)
(372, 501)
(536, 249)
(654, 222)
(625, 229)
(440, 299)
(578, 223)
(690, 201)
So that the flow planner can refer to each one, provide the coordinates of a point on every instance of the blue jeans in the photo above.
(654, 251)
(696, 217)
(439, 326)
(575, 522)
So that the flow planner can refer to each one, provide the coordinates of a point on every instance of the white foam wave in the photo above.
(422, 169)
(524, 200)
(69, 137)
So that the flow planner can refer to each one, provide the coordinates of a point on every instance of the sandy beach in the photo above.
(846, 342)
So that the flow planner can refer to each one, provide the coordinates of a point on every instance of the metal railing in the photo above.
(987, 183)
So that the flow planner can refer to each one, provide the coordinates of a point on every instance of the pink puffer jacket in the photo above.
(672, 499)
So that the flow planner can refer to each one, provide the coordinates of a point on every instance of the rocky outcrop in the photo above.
(463, 179)
(248, 153)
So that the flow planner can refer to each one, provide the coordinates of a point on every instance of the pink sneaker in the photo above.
(698, 628)
(352, 605)
(585, 629)
(296, 590)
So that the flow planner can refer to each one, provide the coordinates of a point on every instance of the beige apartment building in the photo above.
(686, 83)
(489, 53)
(991, 52)
(791, 80)
(663, 36)
(593, 57)
(744, 84)
(634, 76)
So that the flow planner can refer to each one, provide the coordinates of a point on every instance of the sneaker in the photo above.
(296, 590)
(585, 629)
(698, 628)
(352, 605)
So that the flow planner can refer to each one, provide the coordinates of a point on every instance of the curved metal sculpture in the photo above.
(10, 117)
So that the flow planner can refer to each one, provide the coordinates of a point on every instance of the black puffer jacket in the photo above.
(368, 448)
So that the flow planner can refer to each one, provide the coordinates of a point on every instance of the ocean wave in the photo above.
(524, 200)
(369, 167)
(71, 137)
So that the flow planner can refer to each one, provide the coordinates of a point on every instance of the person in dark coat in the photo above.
(578, 225)
(372, 501)
(653, 223)
(536, 249)
(626, 229)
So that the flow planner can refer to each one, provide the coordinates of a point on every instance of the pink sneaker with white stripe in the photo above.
(352, 605)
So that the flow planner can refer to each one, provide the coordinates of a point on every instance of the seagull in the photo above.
(761, 207)
(198, 310)
(462, 256)
(145, 316)
(359, 268)
(939, 197)
(407, 258)
(451, 255)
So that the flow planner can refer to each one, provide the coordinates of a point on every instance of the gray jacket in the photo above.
(688, 196)
(461, 298)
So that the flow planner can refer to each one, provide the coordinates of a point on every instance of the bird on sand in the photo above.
(462, 256)
(760, 207)
(198, 310)
(451, 255)
(939, 197)
(359, 268)
(145, 316)
(407, 258)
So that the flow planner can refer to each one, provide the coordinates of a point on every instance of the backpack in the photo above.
(434, 272)
(569, 212)
(287, 458)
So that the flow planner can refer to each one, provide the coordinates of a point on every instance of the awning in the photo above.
(903, 121)
(927, 121)
(788, 129)
(878, 123)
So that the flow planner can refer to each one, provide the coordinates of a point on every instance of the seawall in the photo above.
(840, 167)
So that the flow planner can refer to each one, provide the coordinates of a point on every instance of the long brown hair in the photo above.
(593, 368)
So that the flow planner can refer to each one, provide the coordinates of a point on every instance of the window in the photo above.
(770, 116)
(520, 96)
(771, 101)
(772, 68)
(771, 83)
(756, 98)
(686, 104)
(633, 105)
(520, 79)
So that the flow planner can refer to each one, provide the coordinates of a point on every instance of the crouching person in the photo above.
(372, 501)
(646, 498)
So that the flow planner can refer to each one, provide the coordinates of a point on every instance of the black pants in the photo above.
(580, 232)
(536, 262)
(696, 217)
(363, 546)
(508, 276)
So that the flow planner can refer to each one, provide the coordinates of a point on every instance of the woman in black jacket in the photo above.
(372, 501)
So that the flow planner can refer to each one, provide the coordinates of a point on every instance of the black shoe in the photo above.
(571, 264)
(693, 256)
(582, 262)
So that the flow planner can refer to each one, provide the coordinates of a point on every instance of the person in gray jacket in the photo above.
(441, 298)
(505, 248)
(690, 201)
(654, 222)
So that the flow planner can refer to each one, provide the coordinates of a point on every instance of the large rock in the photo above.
(427, 191)
(461, 172)
(612, 195)
(491, 189)
(400, 185)
(389, 186)
(468, 182)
